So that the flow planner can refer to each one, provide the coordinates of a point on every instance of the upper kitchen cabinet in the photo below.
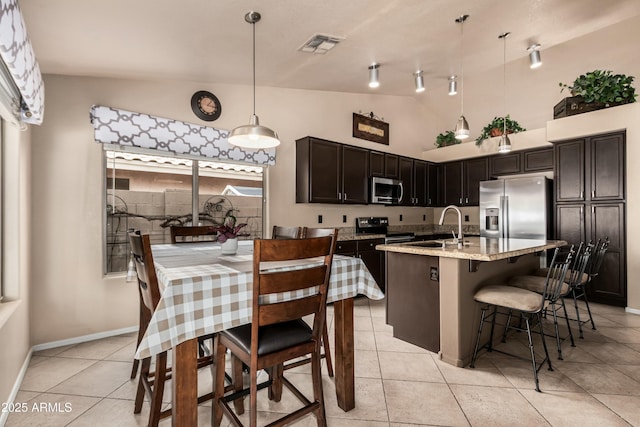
(413, 174)
(462, 181)
(590, 169)
(329, 172)
(433, 184)
(519, 162)
(384, 165)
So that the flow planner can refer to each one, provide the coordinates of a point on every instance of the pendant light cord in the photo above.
(253, 25)
(462, 19)
(504, 36)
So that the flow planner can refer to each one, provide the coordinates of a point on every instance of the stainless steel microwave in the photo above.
(386, 191)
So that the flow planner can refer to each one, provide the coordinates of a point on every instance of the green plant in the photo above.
(603, 87)
(446, 138)
(496, 126)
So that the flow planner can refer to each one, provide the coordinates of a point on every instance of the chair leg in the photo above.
(158, 389)
(327, 351)
(586, 301)
(236, 367)
(566, 316)
(555, 327)
(575, 304)
(216, 407)
(506, 328)
(544, 343)
(144, 373)
(493, 327)
(316, 375)
(533, 354)
(253, 396)
(134, 368)
(475, 350)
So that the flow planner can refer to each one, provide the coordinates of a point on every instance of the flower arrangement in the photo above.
(228, 229)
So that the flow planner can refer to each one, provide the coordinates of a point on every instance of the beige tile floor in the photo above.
(397, 384)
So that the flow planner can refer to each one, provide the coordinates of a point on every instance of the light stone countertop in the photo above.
(476, 248)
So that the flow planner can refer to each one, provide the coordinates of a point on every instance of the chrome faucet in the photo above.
(459, 240)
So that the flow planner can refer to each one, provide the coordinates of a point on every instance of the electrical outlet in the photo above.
(319, 219)
(400, 217)
(433, 274)
(344, 218)
(424, 217)
(466, 218)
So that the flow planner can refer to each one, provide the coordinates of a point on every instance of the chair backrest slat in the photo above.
(556, 276)
(597, 257)
(186, 234)
(145, 269)
(312, 280)
(318, 232)
(581, 259)
(280, 232)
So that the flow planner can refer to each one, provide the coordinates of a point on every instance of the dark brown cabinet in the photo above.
(529, 161)
(376, 163)
(504, 164)
(391, 166)
(433, 185)
(537, 160)
(328, 172)
(413, 174)
(366, 250)
(590, 193)
(462, 181)
(413, 299)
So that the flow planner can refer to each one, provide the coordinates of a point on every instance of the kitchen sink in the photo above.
(427, 244)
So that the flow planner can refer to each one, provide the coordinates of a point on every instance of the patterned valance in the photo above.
(17, 54)
(114, 126)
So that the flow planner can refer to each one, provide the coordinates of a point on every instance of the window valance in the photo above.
(127, 128)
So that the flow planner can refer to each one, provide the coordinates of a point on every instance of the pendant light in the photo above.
(504, 146)
(253, 135)
(462, 126)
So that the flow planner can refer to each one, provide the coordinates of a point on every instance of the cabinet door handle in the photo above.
(593, 210)
(593, 194)
(429, 200)
(345, 196)
(339, 196)
(581, 194)
(460, 200)
(467, 200)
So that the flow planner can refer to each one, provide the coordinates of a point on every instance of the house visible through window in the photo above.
(154, 192)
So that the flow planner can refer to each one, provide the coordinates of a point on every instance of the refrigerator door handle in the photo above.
(505, 215)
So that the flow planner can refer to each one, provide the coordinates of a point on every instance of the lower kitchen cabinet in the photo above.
(413, 299)
(366, 250)
(589, 222)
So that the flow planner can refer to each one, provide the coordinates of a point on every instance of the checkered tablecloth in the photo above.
(204, 292)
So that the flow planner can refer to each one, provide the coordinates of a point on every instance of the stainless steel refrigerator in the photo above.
(519, 208)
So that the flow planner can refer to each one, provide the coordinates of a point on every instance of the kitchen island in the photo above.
(430, 288)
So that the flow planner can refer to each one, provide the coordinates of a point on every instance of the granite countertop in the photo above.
(348, 233)
(477, 248)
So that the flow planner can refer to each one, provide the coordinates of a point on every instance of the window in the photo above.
(1, 207)
(154, 192)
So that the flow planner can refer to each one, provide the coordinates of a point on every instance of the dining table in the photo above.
(204, 291)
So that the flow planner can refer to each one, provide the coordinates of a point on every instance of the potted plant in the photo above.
(446, 138)
(228, 233)
(496, 127)
(595, 90)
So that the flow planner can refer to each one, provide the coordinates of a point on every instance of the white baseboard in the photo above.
(84, 338)
(16, 387)
(632, 310)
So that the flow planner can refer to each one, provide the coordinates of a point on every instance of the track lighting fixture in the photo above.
(373, 76)
(534, 55)
(419, 81)
(453, 86)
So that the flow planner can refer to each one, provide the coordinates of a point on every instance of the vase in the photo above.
(230, 247)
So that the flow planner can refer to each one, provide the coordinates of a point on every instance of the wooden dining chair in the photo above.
(190, 234)
(153, 383)
(278, 332)
(280, 232)
(308, 233)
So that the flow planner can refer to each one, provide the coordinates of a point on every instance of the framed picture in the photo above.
(370, 129)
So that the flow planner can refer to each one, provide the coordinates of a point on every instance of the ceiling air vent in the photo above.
(320, 43)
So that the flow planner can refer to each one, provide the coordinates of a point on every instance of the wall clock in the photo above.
(206, 105)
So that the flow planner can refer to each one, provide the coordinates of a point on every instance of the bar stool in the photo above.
(530, 304)
(579, 291)
(575, 275)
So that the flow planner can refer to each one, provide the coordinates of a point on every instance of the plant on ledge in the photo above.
(228, 229)
(603, 88)
(446, 138)
(496, 126)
